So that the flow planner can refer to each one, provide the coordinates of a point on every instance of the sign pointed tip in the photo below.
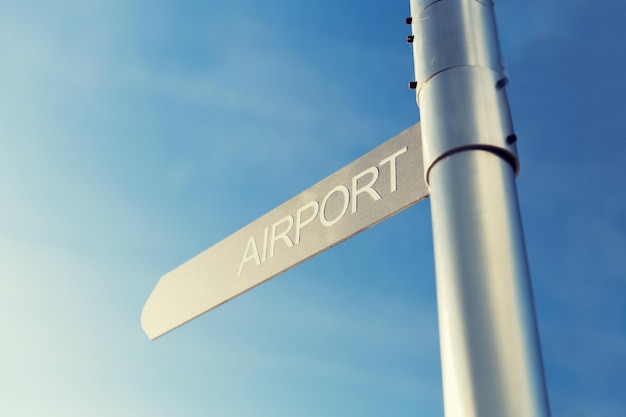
(148, 325)
(146, 329)
(156, 319)
(150, 332)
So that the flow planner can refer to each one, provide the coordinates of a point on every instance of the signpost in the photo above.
(376, 186)
(490, 356)
(491, 360)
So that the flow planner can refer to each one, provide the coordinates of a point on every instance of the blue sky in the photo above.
(136, 134)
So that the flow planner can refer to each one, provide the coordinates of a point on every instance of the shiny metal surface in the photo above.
(372, 188)
(462, 109)
(461, 80)
(453, 33)
(491, 361)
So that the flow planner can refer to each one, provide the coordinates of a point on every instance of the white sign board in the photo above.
(376, 186)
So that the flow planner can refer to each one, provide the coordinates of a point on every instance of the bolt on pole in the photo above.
(490, 354)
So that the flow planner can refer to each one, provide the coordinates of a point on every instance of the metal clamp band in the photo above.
(459, 74)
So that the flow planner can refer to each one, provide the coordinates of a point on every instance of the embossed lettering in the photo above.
(251, 254)
(346, 199)
(392, 168)
(282, 235)
(301, 223)
(365, 189)
(361, 186)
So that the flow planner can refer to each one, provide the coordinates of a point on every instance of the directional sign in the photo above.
(376, 186)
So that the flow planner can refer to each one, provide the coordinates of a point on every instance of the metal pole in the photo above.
(491, 360)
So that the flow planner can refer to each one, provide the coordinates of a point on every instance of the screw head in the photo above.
(502, 82)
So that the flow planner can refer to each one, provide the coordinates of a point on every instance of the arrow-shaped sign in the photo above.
(376, 186)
